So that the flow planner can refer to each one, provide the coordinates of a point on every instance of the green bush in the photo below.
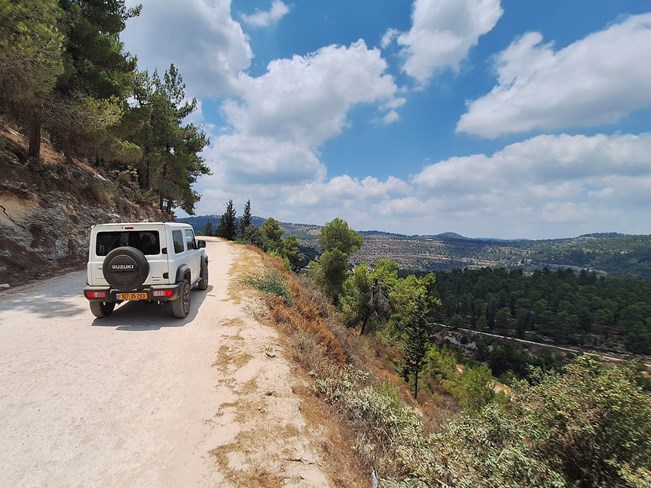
(271, 282)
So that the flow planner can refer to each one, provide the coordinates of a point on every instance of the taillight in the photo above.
(90, 294)
(162, 293)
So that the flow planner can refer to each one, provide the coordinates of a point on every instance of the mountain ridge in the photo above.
(624, 255)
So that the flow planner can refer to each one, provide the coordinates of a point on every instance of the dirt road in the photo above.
(140, 399)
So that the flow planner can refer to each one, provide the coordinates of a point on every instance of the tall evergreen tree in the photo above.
(207, 229)
(416, 342)
(246, 219)
(227, 226)
(31, 50)
(91, 94)
(170, 161)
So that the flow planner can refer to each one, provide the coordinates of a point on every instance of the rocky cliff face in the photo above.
(47, 208)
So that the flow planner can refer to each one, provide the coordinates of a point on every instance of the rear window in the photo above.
(148, 242)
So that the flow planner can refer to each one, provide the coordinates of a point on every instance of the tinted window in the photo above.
(189, 239)
(146, 241)
(177, 237)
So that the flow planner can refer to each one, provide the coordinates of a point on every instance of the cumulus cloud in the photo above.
(284, 116)
(264, 160)
(265, 18)
(595, 81)
(306, 99)
(442, 33)
(198, 36)
(574, 180)
(546, 186)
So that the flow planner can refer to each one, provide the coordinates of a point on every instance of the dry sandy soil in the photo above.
(139, 399)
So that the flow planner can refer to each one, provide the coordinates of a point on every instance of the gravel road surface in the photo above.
(140, 399)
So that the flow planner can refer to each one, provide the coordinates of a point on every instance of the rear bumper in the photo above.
(155, 293)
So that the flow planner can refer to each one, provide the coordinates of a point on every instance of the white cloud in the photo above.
(306, 99)
(595, 81)
(248, 159)
(566, 180)
(198, 36)
(442, 33)
(265, 18)
(285, 115)
(547, 186)
(389, 36)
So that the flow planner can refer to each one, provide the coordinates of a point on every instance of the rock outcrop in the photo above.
(47, 208)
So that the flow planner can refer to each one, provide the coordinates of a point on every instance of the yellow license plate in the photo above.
(132, 296)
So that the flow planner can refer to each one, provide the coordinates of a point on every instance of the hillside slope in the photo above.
(47, 207)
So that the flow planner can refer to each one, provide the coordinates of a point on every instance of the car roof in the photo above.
(140, 225)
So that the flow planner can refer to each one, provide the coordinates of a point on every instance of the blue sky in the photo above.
(484, 117)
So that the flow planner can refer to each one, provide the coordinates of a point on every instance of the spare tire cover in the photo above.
(125, 268)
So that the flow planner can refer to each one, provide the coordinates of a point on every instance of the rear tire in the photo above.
(181, 306)
(101, 309)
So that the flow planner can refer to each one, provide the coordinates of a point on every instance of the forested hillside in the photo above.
(565, 422)
(65, 76)
(563, 306)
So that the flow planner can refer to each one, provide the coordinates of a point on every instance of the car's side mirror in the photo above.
(201, 243)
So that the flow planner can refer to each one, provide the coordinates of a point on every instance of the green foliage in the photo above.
(473, 388)
(272, 235)
(441, 363)
(271, 282)
(252, 235)
(488, 449)
(593, 423)
(390, 435)
(245, 220)
(291, 252)
(590, 426)
(365, 298)
(416, 332)
(330, 273)
(337, 235)
(337, 241)
(170, 162)
(227, 224)
(208, 230)
(566, 307)
(31, 48)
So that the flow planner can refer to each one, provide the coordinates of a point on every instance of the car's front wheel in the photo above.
(181, 306)
(101, 309)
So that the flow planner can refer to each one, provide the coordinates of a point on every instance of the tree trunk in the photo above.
(34, 131)
(366, 316)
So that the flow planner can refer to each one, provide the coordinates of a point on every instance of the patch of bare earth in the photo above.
(272, 429)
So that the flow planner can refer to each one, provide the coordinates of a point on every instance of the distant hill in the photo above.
(607, 253)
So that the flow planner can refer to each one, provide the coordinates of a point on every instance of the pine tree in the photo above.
(338, 242)
(417, 331)
(207, 230)
(31, 50)
(227, 226)
(246, 219)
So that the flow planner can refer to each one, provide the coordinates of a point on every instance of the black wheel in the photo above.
(101, 309)
(181, 306)
(125, 268)
(203, 282)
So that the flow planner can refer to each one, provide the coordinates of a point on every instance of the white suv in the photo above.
(159, 262)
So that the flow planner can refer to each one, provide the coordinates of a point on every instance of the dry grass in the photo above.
(302, 319)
